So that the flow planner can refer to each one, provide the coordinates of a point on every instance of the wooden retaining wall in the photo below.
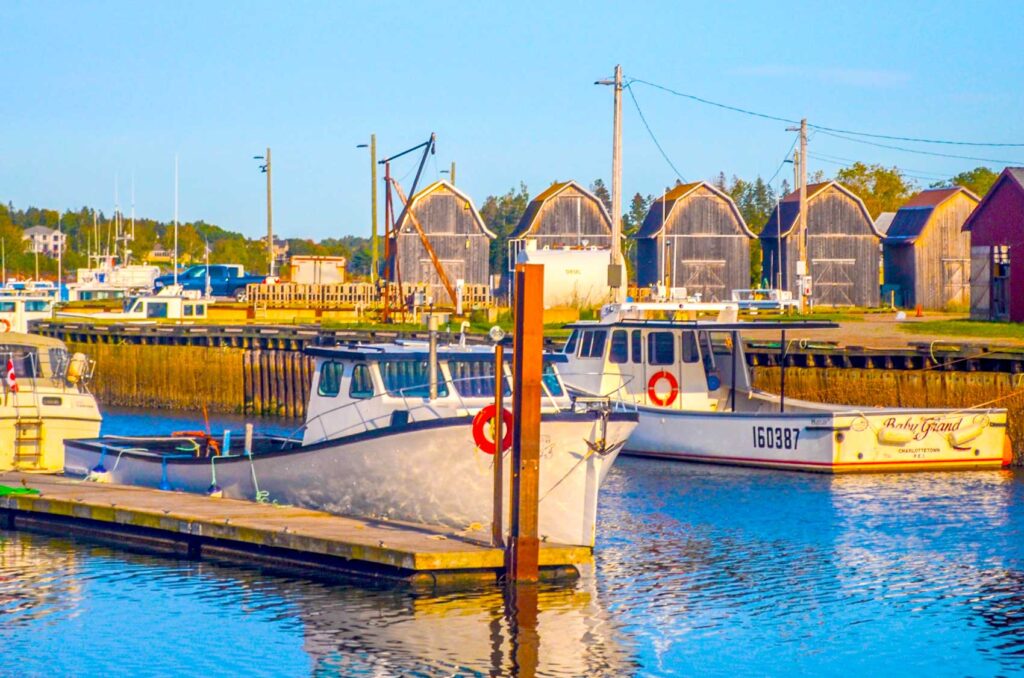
(904, 388)
(224, 379)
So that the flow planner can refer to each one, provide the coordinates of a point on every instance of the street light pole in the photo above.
(266, 169)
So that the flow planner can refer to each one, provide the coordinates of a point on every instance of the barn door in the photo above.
(453, 268)
(955, 282)
(832, 281)
(706, 278)
(1000, 304)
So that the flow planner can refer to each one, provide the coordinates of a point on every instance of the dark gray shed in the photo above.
(842, 246)
(695, 237)
(926, 254)
(456, 233)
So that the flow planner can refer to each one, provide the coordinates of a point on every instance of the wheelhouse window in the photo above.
(7, 306)
(637, 346)
(410, 378)
(549, 377)
(361, 385)
(188, 310)
(156, 309)
(475, 378)
(691, 353)
(570, 346)
(619, 352)
(37, 306)
(661, 348)
(24, 358)
(592, 343)
(331, 372)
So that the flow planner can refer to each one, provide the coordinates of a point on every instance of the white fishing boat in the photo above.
(169, 304)
(17, 311)
(690, 382)
(44, 400)
(381, 441)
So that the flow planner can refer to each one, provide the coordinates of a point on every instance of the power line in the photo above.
(846, 162)
(783, 163)
(822, 128)
(919, 152)
(651, 133)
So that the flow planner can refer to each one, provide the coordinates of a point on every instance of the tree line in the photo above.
(883, 189)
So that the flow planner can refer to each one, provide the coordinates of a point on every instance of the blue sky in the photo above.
(94, 90)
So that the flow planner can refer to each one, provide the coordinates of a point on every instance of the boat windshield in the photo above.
(25, 360)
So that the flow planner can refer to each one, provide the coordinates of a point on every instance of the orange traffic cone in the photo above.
(918, 313)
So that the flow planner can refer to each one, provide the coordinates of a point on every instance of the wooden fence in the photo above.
(356, 295)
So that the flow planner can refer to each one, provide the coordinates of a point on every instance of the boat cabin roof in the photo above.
(411, 351)
(710, 325)
(30, 340)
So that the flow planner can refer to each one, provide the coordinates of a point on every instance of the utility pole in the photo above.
(175, 219)
(803, 272)
(615, 272)
(451, 173)
(270, 221)
(373, 207)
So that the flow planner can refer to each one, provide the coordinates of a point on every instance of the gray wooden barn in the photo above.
(695, 237)
(563, 215)
(842, 246)
(456, 233)
(926, 254)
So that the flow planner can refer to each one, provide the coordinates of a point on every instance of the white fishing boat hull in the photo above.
(827, 441)
(426, 472)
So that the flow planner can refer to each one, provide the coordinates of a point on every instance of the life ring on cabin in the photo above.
(5, 325)
(482, 427)
(673, 389)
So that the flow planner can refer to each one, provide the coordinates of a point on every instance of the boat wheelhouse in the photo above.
(45, 403)
(689, 380)
(16, 312)
(388, 437)
(152, 308)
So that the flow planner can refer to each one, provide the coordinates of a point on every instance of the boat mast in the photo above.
(175, 218)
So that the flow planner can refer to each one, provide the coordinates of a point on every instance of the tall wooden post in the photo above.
(803, 207)
(527, 363)
(618, 284)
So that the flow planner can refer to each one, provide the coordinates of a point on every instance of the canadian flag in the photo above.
(12, 381)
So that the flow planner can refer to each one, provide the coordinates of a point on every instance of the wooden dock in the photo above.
(284, 538)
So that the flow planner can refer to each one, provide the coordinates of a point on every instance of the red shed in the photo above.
(997, 242)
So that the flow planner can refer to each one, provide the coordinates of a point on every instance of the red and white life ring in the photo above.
(5, 325)
(483, 431)
(673, 386)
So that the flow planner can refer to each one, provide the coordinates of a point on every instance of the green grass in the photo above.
(966, 328)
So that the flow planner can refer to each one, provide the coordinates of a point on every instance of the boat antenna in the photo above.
(175, 218)
(133, 212)
(60, 256)
(3, 258)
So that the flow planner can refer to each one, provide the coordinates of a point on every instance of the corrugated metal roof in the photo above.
(883, 222)
(533, 209)
(912, 218)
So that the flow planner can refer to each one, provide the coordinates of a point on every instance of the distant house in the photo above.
(925, 253)
(695, 237)
(44, 240)
(565, 215)
(842, 246)
(996, 227)
(456, 233)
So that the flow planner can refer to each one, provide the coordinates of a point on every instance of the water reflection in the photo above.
(236, 614)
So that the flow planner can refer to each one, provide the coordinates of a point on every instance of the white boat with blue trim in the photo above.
(383, 440)
(688, 378)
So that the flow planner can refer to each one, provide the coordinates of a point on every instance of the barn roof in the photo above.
(1013, 174)
(884, 221)
(532, 213)
(444, 184)
(789, 209)
(661, 209)
(913, 217)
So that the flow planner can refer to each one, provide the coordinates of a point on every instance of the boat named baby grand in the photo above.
(690, 382)
(384, 439)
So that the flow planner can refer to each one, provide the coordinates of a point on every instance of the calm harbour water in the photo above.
(699, 570)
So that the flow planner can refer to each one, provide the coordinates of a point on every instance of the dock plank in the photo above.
(403, 549)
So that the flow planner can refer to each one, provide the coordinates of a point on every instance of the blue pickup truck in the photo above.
(224, 280)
